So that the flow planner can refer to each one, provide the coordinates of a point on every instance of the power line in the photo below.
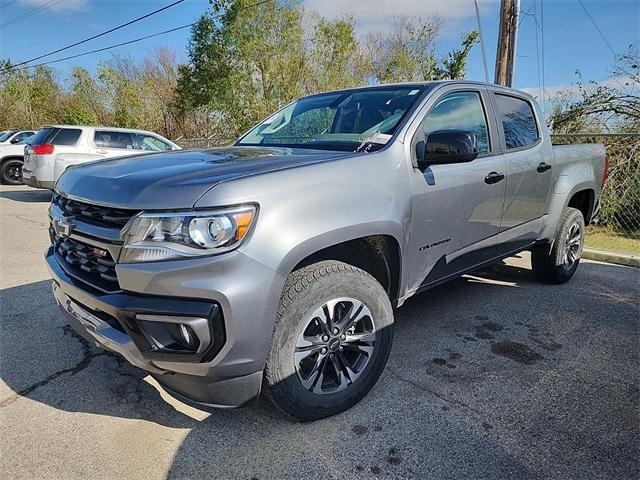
(257, 4)
(103, 49)
(100, 34)
(6, 4)
(535, 14)
(28, 14)
(604, 39)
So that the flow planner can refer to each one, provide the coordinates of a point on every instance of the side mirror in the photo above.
(15, 140)
(446, 146)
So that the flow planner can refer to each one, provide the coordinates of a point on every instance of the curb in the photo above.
(628, 259)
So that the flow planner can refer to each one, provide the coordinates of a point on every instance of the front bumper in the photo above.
(231, 376)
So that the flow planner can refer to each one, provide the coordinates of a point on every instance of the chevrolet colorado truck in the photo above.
(274, 265)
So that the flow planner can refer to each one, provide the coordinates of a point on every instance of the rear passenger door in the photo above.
(529, 170)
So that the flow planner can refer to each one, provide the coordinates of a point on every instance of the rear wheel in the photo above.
(331, 340)
(558, 263)
(11, 172)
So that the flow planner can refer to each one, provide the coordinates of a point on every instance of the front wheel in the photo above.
(331, 341)
(11, 172)
(558, 263)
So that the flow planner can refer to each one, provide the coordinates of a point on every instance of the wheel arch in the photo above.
(377, 252)
(11, 157)
(583, 200)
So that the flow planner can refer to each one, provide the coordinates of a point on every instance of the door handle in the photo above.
(543, 167)
(494, 177)
(101, 151)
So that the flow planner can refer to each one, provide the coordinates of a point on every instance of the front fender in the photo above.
(324, 240)
(306, 209)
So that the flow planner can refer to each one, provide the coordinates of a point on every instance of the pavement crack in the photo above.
(424, 388)
(25, 219)
(88, 356)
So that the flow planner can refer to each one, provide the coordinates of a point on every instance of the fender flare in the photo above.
(328, 239)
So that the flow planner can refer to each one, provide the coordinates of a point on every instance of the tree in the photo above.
(406, 52)
(613, 105)
(246, 60)
(453, 67)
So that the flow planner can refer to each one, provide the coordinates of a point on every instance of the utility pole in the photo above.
(507, 41)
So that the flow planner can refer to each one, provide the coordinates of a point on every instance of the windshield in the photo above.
(337, 121)
(6, 134)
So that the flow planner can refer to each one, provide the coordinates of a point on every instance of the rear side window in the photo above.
(111, 139)
(42, 135)
(518, 121)
(149, 143)
(66, 136)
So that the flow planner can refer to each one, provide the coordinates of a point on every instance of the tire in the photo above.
(289, 380)
(11, 172)
(557, 263)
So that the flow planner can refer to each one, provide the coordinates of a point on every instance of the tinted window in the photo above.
(518, 121)
(42, 135)
(66, 136)
(5, 134)
(112, 139)
(459, 111)
(149, 143)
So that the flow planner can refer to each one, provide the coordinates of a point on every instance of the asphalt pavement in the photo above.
(491, 376)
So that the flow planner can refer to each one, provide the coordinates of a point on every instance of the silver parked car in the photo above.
(275, 263)
(56, 147)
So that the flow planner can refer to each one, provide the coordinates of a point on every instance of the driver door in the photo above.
(457, 208)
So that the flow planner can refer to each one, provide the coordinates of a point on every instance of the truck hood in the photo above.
(177, 179)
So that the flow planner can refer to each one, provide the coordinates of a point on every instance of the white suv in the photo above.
(56, 147)
(11, 137)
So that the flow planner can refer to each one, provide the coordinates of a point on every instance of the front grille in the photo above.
(94, 214)
(85, 262)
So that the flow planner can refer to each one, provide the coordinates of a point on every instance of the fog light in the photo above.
(171, 334)
(188, 336)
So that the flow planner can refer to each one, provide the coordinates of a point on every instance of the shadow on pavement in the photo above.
(491, 376)
(29, 195)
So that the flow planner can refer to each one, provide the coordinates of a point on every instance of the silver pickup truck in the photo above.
(275, 264)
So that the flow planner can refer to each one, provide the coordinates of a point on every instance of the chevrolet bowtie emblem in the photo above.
(63, 226)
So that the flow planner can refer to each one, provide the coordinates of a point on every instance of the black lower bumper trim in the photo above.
(207, 394)
(122, 308)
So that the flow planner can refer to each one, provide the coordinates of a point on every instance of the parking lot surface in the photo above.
(491, 376)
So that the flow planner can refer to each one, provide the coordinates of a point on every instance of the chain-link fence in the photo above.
(617, 227)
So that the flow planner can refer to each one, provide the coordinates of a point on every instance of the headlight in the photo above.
(150, 237)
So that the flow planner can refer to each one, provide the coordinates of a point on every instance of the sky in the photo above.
(572, 42)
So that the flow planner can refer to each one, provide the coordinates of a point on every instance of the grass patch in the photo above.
(598, 237)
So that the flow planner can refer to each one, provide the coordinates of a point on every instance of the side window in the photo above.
(19, 137)
(109, 139)
(459, 111)
(66, 136)
(149, 143)
(518, 121)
